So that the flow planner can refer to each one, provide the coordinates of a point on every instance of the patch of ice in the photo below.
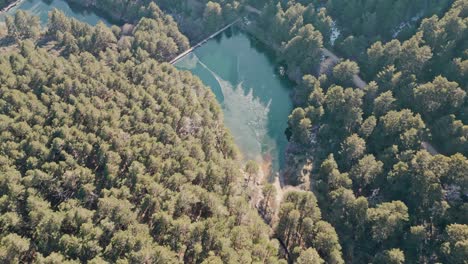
(247, 118)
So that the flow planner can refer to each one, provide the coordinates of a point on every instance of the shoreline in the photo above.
(10, 6)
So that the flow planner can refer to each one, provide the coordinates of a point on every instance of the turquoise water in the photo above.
(41, 8)
(254, 97)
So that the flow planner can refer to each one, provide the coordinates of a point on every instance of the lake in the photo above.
(244, 76)
(41, 8)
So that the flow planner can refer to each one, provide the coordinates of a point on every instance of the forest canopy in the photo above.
(390, 168)
(108, 155)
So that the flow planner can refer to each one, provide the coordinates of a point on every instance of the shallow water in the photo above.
(254, 97)
(41, 8)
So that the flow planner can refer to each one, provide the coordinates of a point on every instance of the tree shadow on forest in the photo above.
(6, 42)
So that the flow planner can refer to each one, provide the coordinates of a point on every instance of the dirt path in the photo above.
(356, 79)
(253, 9)
(429, 147)
(282, 189)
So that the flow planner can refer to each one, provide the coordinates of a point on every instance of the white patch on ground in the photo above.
(405, 24)
(335, 33)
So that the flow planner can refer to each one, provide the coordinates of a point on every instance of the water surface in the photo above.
(41, 8)
(254, 97)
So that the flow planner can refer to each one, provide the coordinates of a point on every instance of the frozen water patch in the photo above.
(246, 116)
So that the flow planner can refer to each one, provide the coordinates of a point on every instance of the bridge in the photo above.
(183, 54)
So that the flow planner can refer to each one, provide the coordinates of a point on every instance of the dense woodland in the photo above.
(364, 22)
(389, 198)
(108, 154)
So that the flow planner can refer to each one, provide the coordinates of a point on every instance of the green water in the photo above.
(254, 97)
(41, 8)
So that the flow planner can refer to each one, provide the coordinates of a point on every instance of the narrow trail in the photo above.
(282, 189)
(183, 54)
(335, 59)
(253, 9)
(429, 148)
